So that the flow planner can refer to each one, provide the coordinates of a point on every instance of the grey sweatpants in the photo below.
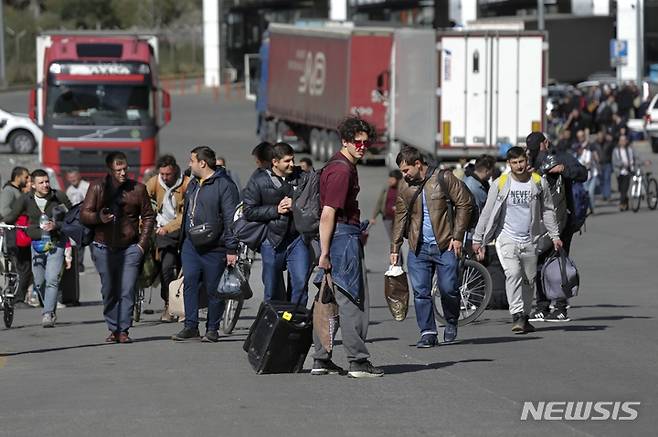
(353, 328)
(519, 261)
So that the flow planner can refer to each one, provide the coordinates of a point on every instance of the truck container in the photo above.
(315, 77)
(461, 94)
(98, 92)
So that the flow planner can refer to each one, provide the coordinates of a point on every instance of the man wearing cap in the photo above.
(564, 171)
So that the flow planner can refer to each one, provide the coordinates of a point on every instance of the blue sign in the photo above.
(618, 52)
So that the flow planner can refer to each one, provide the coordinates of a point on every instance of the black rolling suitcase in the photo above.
(279, 338)
(70, 282)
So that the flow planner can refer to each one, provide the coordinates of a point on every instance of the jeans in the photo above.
(605, 180)
(519, 261)
(295, 255)
(208, 266)
(47, 272)
(590, 186)
(21, 258)
(118, 269)
(429, 261)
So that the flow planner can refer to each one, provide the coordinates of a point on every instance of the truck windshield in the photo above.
(99, 104)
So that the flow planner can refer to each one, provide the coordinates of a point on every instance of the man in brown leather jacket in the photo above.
(435, 235)
(114, 207)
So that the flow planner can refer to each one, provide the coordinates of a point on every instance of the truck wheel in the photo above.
(333, 144)
(324, 145)
(654, 144)
(22, 141)
(313, 140)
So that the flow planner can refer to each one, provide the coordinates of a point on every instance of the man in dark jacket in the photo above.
(21, 256)
(210, 199)
(45, 209)
(268, 198)
(114, 207)
(561, 177)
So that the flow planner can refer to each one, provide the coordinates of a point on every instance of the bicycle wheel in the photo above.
(636, 195)
(8, 312)
(475, 288)
(652, 194)
(137, 309)
(231, 315)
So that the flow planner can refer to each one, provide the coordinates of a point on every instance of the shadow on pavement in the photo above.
(572, 328)
(495, 340)
(610, 318)
(81, 346)
(396, 369)
(603, 305)
(370, 340)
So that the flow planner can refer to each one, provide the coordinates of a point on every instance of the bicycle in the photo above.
(643, 185)
(8, 277)
(233, 307)
(475, 289)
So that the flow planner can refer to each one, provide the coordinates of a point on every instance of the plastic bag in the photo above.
(396, 290)
(233, 285)
(325, 313)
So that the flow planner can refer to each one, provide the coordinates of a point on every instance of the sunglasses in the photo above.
(361, 144)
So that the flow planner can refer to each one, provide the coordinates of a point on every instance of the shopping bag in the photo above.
(176, 300)
(325, 313)
(396, 290)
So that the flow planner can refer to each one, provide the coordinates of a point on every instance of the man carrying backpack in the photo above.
(517, 204)
(435, 234)
(342, 251)
(45, 209)
(565, 176)
(268, 199)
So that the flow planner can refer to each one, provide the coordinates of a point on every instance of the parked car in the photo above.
(19, 132)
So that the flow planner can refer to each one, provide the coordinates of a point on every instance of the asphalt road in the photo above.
(67, 382)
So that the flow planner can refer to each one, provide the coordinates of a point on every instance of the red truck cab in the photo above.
(98, 93)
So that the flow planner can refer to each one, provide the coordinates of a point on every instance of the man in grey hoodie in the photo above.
(517, 204)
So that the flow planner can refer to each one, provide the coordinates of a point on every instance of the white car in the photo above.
(651, 123)
(19, 132)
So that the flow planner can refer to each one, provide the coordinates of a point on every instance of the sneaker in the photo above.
(48, 320)
(450, 333)
(186, 334)
(364, 369)
(518, 322)
(538, 316)
(60, 305)
(211, 337)
(33, 300)
(558, 315)
(326, 367)
(527, 327)
(427, 341)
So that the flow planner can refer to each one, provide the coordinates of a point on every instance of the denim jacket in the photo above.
(346, 263)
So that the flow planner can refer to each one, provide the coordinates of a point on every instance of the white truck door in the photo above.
(453, 90)
(476, 91)
(531, 111)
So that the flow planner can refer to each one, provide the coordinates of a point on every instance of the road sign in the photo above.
(618, 52)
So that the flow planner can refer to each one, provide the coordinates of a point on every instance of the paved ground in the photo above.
(67, 382)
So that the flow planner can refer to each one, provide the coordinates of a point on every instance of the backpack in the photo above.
(580, 205)
(306, 208)
(560, 277)
(475, 215)
(73, 228)
(251, 234)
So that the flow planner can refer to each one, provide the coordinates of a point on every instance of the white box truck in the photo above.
(460, 94)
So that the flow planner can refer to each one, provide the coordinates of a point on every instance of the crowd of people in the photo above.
(593, 125)
(185, 220)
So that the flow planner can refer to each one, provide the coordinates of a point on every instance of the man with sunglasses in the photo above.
(341, 251)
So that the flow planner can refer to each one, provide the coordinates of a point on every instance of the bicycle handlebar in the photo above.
(6, 226)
